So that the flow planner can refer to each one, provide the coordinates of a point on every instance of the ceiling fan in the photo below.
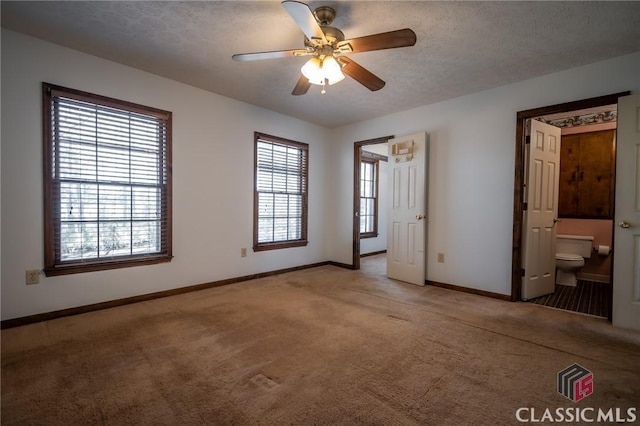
(327, 47)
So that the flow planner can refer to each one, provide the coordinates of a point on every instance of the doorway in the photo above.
(373, 231)
(519, 181)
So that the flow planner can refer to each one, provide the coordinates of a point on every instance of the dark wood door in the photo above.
(569, 173)
(587, 175)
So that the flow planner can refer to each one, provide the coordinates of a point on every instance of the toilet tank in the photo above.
(574, 244)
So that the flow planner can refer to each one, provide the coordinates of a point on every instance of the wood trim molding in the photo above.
(375, 163)
(30, 319)
(518, 191)
(355, 247)
(357, 157)
(373, 253)
(52, 97)
(304, 177)
(484, 293)
(342, 265)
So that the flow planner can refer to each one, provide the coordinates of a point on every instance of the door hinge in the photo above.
(527, 139)
(525, 206)
(522, 272)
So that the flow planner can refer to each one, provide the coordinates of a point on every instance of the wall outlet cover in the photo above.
(32, 276)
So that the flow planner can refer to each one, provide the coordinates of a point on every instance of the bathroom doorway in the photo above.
(592, 295)
(370, 188)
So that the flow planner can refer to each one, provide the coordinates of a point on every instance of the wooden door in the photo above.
(568, 197)
(596, 174)
(586, 175)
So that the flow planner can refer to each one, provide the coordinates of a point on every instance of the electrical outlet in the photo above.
(32, 276)
(440, 257)
(243, 252)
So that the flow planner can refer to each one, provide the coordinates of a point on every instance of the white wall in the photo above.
(212, 180)
(472, 141)
(472, 149)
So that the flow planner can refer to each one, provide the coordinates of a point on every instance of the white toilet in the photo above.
(571, 250)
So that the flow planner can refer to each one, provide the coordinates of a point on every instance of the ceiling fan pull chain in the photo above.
(324, 83)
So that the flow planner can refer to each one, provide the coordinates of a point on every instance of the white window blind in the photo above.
(109, 181)
(280, 191)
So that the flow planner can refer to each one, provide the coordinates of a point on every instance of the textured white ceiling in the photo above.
(462, 47)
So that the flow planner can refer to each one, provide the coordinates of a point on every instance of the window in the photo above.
(280, 193)
(107, 182)
(368, 197)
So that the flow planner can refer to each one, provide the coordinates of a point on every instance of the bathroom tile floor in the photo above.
(588, 297)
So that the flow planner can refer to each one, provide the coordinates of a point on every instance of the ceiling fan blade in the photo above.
(361, 74)
(302, 86)
(305, 19)
(390, 40)
(243, 57)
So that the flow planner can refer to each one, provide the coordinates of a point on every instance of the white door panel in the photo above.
(539, 231)
(406, 252)
(626, 268)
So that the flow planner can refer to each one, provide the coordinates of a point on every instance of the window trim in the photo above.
(303, 241)
(376, 183)
(52, 266)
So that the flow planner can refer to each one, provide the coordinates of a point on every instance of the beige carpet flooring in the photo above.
(313, 347)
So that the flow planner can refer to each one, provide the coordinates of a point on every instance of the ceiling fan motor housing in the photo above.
(332, 34)
(325, 15)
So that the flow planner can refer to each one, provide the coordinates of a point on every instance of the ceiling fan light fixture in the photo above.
(327, 45)
(322, 71)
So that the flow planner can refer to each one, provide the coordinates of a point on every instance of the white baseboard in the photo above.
(594, 277)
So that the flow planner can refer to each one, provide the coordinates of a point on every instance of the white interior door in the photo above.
(626, 268)
(539, 231)
(407, 222)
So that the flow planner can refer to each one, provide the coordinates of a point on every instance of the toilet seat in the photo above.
(568, 256)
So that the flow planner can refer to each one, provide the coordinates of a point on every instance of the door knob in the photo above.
(624, 224)
(419, 216)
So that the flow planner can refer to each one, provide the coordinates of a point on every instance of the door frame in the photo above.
(518, 191)
(357, 158)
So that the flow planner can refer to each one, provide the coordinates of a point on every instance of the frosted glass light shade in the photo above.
(313, 71)
(317, 71)
(332, 71)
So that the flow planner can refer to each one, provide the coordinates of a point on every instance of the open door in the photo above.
(541, 212)
(406, 246)
(626, 267)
